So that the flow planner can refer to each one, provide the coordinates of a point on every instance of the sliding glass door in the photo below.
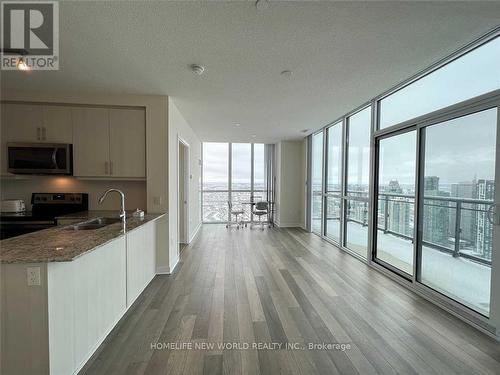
(317, 183)
(395, 201)
(458, 180)
(334, 182)
(357, 181)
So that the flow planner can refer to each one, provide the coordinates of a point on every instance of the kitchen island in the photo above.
(63, 290)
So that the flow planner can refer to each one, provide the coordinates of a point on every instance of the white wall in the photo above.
(178, 127)
(290, 183)
(135, 191)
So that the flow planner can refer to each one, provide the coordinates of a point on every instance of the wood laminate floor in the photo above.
(286, 286)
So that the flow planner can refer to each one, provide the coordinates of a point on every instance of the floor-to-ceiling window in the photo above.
(429, 156)
(259, 172)
(215, 193)
(317, 182)
(358, 128)
(234, 172)
(241, 176)
(333, 181)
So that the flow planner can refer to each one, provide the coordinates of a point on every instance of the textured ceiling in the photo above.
(341, 54)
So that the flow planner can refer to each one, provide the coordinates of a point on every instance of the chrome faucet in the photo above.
(122, 209)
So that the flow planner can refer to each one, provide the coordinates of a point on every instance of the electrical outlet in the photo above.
(33, 274)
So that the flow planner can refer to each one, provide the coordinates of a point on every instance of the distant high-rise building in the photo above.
(485, 190)
(464, 189)
(467, 216)
(436, 217)
(400, 211)
(431, 183)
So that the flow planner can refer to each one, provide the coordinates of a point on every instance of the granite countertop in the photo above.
(60, 244)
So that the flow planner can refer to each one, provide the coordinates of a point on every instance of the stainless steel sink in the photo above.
(96, 223)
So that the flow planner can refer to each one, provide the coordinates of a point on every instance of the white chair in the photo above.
(261, 209)
(235, 213)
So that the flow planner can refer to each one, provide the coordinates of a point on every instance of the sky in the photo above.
(216, 163)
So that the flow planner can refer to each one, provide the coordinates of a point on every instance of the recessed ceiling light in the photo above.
(237, 124)
(287, 73)
(254, 135)
(262, 4)
(198, 69)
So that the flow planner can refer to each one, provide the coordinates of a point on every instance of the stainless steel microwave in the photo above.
(40, 158)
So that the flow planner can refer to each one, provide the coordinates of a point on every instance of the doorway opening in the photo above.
(183, 193)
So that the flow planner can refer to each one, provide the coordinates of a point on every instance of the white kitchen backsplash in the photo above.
(135, 191)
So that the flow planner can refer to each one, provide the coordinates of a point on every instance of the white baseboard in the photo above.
(162, 270)
(172, 268)
(195, 233)
(166, 270)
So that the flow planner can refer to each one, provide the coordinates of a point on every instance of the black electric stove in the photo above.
(45, 208)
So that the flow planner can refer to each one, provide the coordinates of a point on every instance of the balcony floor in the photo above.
(285, 285)
(466, 281)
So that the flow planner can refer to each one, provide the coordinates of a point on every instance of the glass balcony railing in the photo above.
(458, 226)
(453, 225)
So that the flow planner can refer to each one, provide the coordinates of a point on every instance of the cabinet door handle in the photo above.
(110, 167)
(105, 167)
(44, 133)
(38, 130)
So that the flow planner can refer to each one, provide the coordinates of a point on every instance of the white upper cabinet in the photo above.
(57, 126)
(22, 122)
(127, 143)
(109, 143)
(36, 123)
(91, 142)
